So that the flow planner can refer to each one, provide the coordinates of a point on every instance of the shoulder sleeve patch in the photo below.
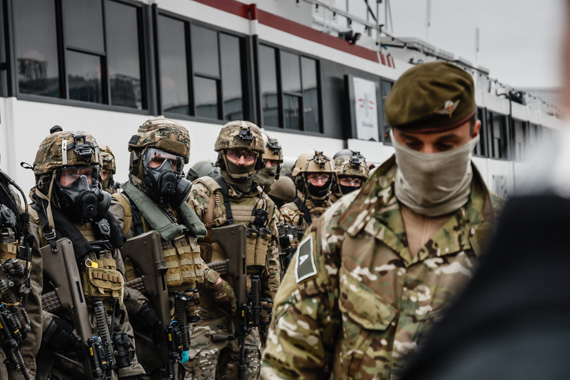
(305, 266)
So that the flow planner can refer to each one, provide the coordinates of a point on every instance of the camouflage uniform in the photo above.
(82, 150)
(9, 249)
(314, 199)
(292, 214)
(356, 303)
(108, 163)
(208, 359)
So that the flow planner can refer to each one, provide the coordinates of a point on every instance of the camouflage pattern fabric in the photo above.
(229, 137)
(219, 360)
(355, 303)
(50, 157)
(210, 360)
(163, 134)
(292, 214)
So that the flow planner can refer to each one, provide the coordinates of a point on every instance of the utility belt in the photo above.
(182, 257)
(101, 280)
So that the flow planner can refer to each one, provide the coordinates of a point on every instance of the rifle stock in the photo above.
(232, 240)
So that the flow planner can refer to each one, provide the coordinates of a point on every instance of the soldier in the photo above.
(70, 204)
(272, 160)
(313, 176)
(234, 197)
(20, 285)
(383, 263)
(351, 172)
(108, 169)
(283, 191)
(201, 169)
(155, 199)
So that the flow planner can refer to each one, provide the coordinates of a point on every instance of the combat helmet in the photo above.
(64, 152)
(312, 161)
(240, 134)
(348, 163)
(108, 160)
(202, 169)
(169, 140)
(273, 152)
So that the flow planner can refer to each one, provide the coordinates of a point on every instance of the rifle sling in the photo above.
(226, 195)
(306, 213)
(159, 220)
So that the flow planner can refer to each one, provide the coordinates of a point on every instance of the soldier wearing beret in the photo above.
(382, 264)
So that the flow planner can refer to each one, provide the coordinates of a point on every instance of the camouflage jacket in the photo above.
(210, 209)
(354, 303)
(293, 215)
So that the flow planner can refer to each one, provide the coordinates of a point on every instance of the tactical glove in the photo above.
(146, 318)
(224, 296)
(59, 336)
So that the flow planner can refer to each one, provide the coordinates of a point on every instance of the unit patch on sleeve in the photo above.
(305, 266)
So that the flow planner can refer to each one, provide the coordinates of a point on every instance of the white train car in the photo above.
(295, 68)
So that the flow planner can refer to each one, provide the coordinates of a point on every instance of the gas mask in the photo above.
(163, 177)
(80, 195)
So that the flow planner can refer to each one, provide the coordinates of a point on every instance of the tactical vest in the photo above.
(100, 277)
(180, 247)
(242, 212)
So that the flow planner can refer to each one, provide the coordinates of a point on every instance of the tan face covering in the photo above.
(434, 184)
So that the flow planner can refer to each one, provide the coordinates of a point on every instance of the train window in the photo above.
(95, 59)
(499, 135)
(310, 94)
(289, 90)
(123, 55)
(519, 139)
(36, 47)
(230, 49)
(268, 86)
(205, 56)
(84, 77)
(207, 97)
(291, 109)
(290, 73)
(83, 25)
(173, 65)
(481, 147)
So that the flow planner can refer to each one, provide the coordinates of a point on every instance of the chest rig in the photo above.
(180, 247)
(94, 246)
(253, 212)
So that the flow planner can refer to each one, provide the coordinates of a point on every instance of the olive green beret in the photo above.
(431, 97)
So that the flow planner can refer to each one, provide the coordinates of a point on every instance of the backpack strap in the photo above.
(226, 195)
(128, 219)
(306, 213)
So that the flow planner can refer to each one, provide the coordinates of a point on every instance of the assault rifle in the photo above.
(14, 320)
(60, 269)
(232, 239)
(145, 252)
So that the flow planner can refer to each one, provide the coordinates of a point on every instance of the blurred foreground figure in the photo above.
(512, 320)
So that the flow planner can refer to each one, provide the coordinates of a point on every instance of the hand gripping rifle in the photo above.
(145, 252)
(60, 269)
(232, 239)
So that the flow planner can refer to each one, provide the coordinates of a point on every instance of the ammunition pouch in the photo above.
(256, 250)
(182, 257)
(102, 280)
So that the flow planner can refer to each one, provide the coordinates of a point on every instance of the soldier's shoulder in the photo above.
(204, 187)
